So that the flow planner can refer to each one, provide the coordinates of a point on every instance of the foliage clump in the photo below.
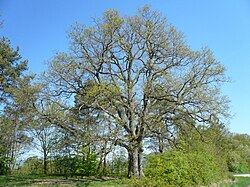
(183, 169)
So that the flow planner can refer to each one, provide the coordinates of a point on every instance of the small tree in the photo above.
(32, 165)
(12, 83)
(43, 134)
(11, 69)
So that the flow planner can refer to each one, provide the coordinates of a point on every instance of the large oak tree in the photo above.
(139, 73)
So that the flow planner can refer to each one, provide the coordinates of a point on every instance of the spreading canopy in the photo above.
(139, 72)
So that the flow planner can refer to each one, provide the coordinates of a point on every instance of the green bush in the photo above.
(4, 162)
(86, 165)
(183, 169)
(32, 165)
(82, 165)
(237, 163)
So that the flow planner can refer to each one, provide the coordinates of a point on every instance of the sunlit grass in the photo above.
(55, 181)
(240, 182)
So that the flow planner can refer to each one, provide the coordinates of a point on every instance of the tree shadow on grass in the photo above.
(37, 180)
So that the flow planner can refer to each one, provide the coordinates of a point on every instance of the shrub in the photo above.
(183, 169)
(4, 165)
(86, 165)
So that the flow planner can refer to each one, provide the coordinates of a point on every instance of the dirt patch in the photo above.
(228, 181)
(47, 182)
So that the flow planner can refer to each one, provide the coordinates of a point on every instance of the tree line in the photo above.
(127, 83)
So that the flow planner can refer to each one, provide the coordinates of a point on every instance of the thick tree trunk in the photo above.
(130, 164)
(136, 171)
(135, 161)
(140, 162)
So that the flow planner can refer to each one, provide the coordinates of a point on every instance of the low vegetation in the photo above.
(238, 182)
(56, 181)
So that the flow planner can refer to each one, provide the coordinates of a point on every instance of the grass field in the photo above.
(56, 181)
(240, 182)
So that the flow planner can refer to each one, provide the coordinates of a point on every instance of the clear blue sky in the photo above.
(39, 28)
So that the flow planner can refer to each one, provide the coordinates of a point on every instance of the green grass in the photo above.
(109, 183)
(23, 180)
(56, 181)
(240, 182)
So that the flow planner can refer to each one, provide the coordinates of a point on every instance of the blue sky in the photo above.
(39, 28)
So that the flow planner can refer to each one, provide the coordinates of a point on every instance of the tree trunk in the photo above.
(105, 163)
(98, 170)
(161, 144)
(135, 161)
(45, 153)
(45, 163)
(136, 171)
(130, 164)
(140, 162)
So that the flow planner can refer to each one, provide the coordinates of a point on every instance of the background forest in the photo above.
(128, 99)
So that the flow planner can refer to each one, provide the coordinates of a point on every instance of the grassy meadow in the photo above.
(56, 181)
